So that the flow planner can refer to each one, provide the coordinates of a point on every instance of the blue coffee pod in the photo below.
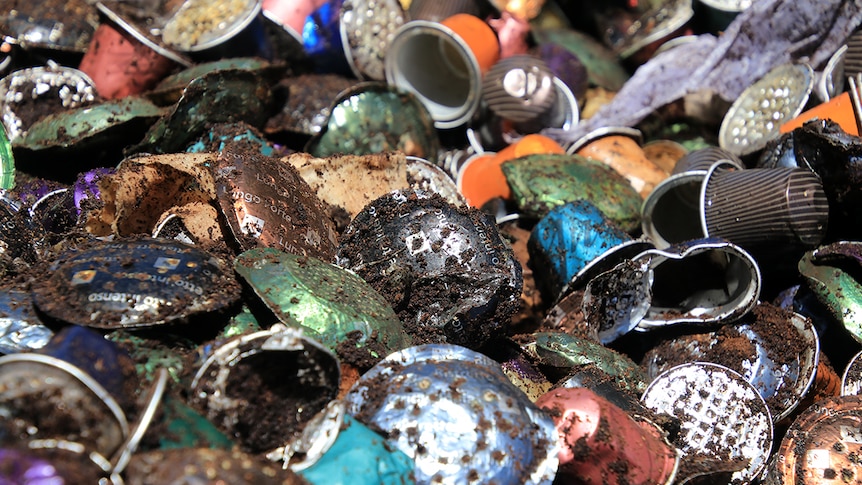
(336, 449)
(565, 240)
(457, 415)
(135, 283)
(93, 354)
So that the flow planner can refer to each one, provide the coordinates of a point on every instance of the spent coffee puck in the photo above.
(723, 419)
(134, 283)
(444, 269)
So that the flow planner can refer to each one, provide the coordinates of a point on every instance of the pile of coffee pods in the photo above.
(413, 241)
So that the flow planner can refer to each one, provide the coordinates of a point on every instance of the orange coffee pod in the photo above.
(481, 179)
(618, 149)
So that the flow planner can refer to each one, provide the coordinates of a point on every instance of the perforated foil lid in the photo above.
(756, 116)
(367, 29)
(722, 417)
(458, 416)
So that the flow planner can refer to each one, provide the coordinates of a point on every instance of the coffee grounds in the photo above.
(732, 346)
(274, 399)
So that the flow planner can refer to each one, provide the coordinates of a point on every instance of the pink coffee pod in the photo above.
(120, 65)
(602, 444)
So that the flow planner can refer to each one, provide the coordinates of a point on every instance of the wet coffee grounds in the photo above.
(271, 402)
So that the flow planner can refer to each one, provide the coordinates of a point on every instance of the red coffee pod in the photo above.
(601, 444)
(121, 65)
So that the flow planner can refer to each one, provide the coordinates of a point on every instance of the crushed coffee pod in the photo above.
(48, 398)
(821, 446)
(444, 269)
(776, 350)
(574, 354)
(53, 87)
(119, 122)
(542, 182)
(335, 448)
(135, 195)
(267, 204)
(57, 26)
(375, 118)
(724, 421)
(492, 431)
(262, 388)
(330, 303)
(830, 272)
(566, 240)
(601, 443)
(20, 327)
(134, 283)
(851, 381)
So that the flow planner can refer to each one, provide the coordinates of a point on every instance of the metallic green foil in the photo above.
(829, 272)
(327, 301)
(7, 161)
(375, 118)
(188, 429)
(152, 355)
(567, 351)
(91, 125)
(541, 182)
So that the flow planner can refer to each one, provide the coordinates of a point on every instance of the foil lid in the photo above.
(134, 283)
(755, 117)
(457, 415)
(724, 421)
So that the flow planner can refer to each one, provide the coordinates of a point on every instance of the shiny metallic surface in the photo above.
(781, 374)
(137, 283)
(327, 301)
(424, 175)
(830, 273)
(702, 281)
(93, 418)
(125, 119)
(754, 118)
(821, 446)
(367, 29)
(722, 416)
(303, 364)
(566, 240)
(541, 182)
(659, 21)
(20, 328)
(491, 431)
(61, 86)
(851, 381)
(375, 118)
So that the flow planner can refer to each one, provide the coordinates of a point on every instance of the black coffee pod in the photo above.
(444, 269)
(135, 283)
(267, 204)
